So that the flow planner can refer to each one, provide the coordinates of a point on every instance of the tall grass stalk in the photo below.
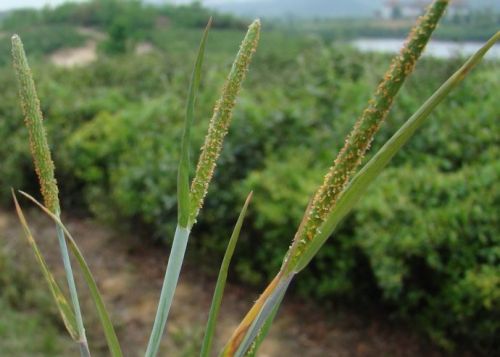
(360, 138)
(359, 184)
(189, 203)
(338, 176)
(44, 168)
(221, 283)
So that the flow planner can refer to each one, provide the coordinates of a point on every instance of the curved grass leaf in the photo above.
(349, 197)
(359, 184)
(63, 306)
(109, 331)
(183, 173)
(221, 282)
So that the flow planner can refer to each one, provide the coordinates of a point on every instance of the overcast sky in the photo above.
(14, 4)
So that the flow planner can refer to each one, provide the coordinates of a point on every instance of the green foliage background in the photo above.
(424, 244)
(29, 323)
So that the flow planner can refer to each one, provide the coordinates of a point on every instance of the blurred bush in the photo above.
(22, 292)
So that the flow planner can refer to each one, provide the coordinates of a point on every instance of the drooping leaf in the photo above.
(62, 303)
(109, 331)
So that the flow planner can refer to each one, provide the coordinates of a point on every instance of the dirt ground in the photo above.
(79, 56)
(129, 271)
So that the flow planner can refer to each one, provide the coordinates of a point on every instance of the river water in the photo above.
(439, 49)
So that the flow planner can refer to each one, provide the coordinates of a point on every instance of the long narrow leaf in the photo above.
(221, 282)
(184, 163)
(109, 331)
(63, 306)
(372, 169)
(350, 196)
(170, 280)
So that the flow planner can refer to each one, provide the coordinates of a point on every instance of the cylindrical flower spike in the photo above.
(44, 166)
(221, 119)
(360, 138)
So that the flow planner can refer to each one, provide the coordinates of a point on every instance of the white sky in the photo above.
(14, 4)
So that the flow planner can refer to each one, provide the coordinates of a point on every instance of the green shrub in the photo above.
(22, 330)
(42, 40)
(431, 239)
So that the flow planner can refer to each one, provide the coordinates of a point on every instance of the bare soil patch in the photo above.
(129, 271)
(73, 57)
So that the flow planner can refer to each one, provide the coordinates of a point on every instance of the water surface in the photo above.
(435, 48)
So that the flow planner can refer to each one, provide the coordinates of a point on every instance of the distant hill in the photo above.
(318, 8)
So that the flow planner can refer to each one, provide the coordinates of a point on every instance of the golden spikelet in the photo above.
(33, 118)
(359, 140)
(221, 119)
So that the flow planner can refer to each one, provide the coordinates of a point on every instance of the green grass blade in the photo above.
(221, 282)
(62, 303)
(183, 172)
(174, 265)
(372, 169)
(109, 331)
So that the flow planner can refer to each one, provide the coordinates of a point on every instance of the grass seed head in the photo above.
(33, 119)
(221, 119)
(359, 140)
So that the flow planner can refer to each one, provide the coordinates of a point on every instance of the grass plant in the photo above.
(342, 187)
(44, 168)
